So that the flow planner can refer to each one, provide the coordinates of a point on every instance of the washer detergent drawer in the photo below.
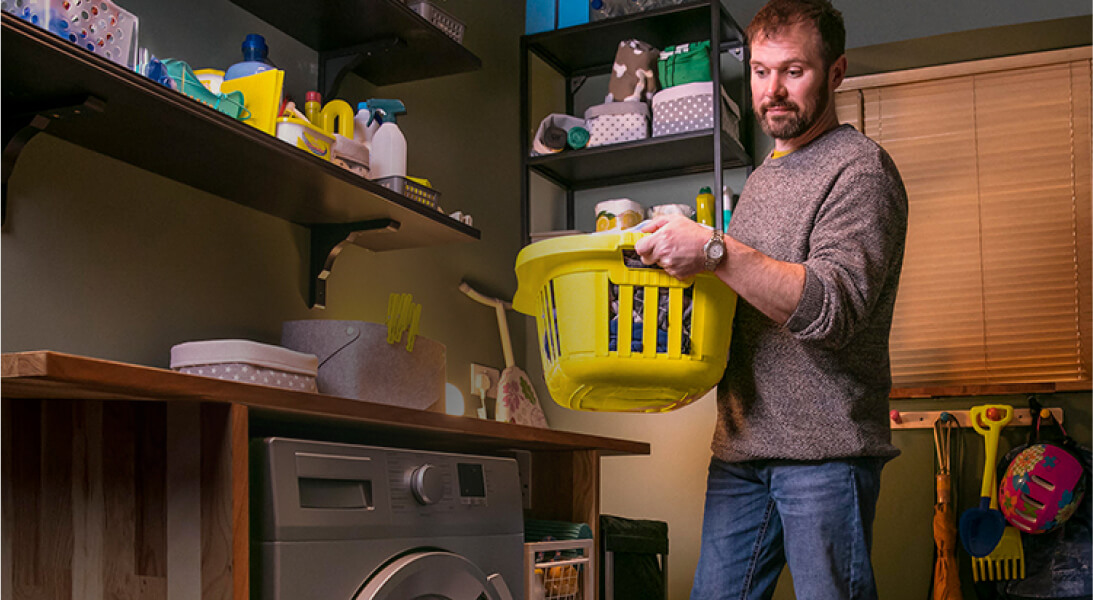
(434, 575)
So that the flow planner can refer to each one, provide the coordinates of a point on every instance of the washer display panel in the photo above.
(433, 576)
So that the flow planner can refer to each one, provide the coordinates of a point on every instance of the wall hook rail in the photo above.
(925, 419)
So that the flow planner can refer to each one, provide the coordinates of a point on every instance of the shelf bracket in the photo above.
(334, 64)
(19, 129)
(327, 242)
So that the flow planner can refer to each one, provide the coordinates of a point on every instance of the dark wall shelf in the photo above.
(641, 160)
(388, 43)
(57, 87)
(589, 50)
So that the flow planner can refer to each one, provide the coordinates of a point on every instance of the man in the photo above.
(814, 250)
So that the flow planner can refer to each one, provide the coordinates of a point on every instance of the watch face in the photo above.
(717, 251)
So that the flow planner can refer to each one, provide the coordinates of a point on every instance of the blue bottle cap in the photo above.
(254, 47)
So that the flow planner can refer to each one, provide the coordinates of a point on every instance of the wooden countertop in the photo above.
(45, 374)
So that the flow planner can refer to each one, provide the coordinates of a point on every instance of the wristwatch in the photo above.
(714, 250)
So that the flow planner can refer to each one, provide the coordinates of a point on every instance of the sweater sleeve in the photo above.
(855, 246)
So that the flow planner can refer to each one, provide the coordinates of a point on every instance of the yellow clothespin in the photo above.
(413, 328)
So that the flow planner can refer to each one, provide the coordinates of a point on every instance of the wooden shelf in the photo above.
(390, 42)
(641, 160)
(56, 375)
(56, 87)
(165, 132)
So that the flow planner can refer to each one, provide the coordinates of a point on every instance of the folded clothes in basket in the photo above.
(633, 261)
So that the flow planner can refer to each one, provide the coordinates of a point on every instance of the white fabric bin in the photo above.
(617, 122)
(247, 362)
(689, 107)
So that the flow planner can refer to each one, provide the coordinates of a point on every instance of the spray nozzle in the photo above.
(385, 111)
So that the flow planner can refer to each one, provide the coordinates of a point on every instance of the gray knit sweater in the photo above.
(817, 387)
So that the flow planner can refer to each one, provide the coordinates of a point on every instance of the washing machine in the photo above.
(347, 522)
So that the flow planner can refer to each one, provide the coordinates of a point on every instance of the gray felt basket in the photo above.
(355, 361)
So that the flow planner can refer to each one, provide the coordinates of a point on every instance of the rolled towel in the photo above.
(553, 133)
(578, 137)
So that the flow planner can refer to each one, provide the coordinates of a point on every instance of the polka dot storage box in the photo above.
(617, 122)
(247, 362)
(689, 107)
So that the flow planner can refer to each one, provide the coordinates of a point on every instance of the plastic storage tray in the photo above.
(101, 26)
(247, 362)
(411, 189)
(647, 364)
(559, 570)
(442, 20)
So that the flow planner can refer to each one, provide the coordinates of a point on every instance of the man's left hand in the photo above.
(676, 245)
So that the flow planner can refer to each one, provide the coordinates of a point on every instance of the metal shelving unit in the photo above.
(589, 50)
(53, 86)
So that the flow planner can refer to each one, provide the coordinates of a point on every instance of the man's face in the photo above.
(789, 84)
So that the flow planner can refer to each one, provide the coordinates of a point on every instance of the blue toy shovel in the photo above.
(981, 527)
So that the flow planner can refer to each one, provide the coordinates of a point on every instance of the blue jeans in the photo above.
(815, 516)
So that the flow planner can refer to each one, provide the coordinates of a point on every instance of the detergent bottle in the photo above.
(255, 58)
(388, 152)
(313, 106)
(704, 209)
(363, 125)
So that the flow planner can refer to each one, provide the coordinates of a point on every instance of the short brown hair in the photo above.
(781, 14)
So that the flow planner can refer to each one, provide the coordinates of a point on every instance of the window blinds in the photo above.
(996, 279)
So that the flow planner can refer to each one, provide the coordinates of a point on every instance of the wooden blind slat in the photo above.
(996, 282)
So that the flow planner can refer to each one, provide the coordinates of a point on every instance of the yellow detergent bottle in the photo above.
(704, 207)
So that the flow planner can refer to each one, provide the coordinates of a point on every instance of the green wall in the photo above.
(103, 259)
(106, 260)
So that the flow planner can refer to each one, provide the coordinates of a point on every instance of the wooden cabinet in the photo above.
(128, 481)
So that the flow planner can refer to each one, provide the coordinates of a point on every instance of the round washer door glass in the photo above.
(433, 576)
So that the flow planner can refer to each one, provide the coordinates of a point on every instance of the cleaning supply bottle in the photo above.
(726, 206)
(313, 107)
(388, 152)
(704, 209)
(255, 58)
(363, 125)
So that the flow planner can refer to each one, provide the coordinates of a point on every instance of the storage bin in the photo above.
(101, 27)
(305, 136)
(355, 361)
(411, 189)
(247, 362)
(633, 559)
(683, 64)
(617, 122)
(560, 570)
(593, 360)
(546, 15)
(689, 107)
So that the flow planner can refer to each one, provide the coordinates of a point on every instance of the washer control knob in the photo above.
(427, 484)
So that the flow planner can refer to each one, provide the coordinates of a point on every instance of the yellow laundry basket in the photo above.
(601, 354)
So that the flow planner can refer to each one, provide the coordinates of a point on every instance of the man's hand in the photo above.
(676, 245)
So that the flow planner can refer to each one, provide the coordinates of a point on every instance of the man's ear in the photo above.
(837, 72)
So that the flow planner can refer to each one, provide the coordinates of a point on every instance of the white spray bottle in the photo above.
(388, 153)
(363, 126)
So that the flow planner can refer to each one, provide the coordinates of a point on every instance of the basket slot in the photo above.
(624, 319)
(675, 322)
(548, 323)
(650, 312)
(553, 314)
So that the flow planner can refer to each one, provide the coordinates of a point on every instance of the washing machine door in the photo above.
(433, 576)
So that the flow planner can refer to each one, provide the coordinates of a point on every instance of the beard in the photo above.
(797, 122)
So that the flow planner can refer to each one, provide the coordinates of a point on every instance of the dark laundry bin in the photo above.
(633, 559)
